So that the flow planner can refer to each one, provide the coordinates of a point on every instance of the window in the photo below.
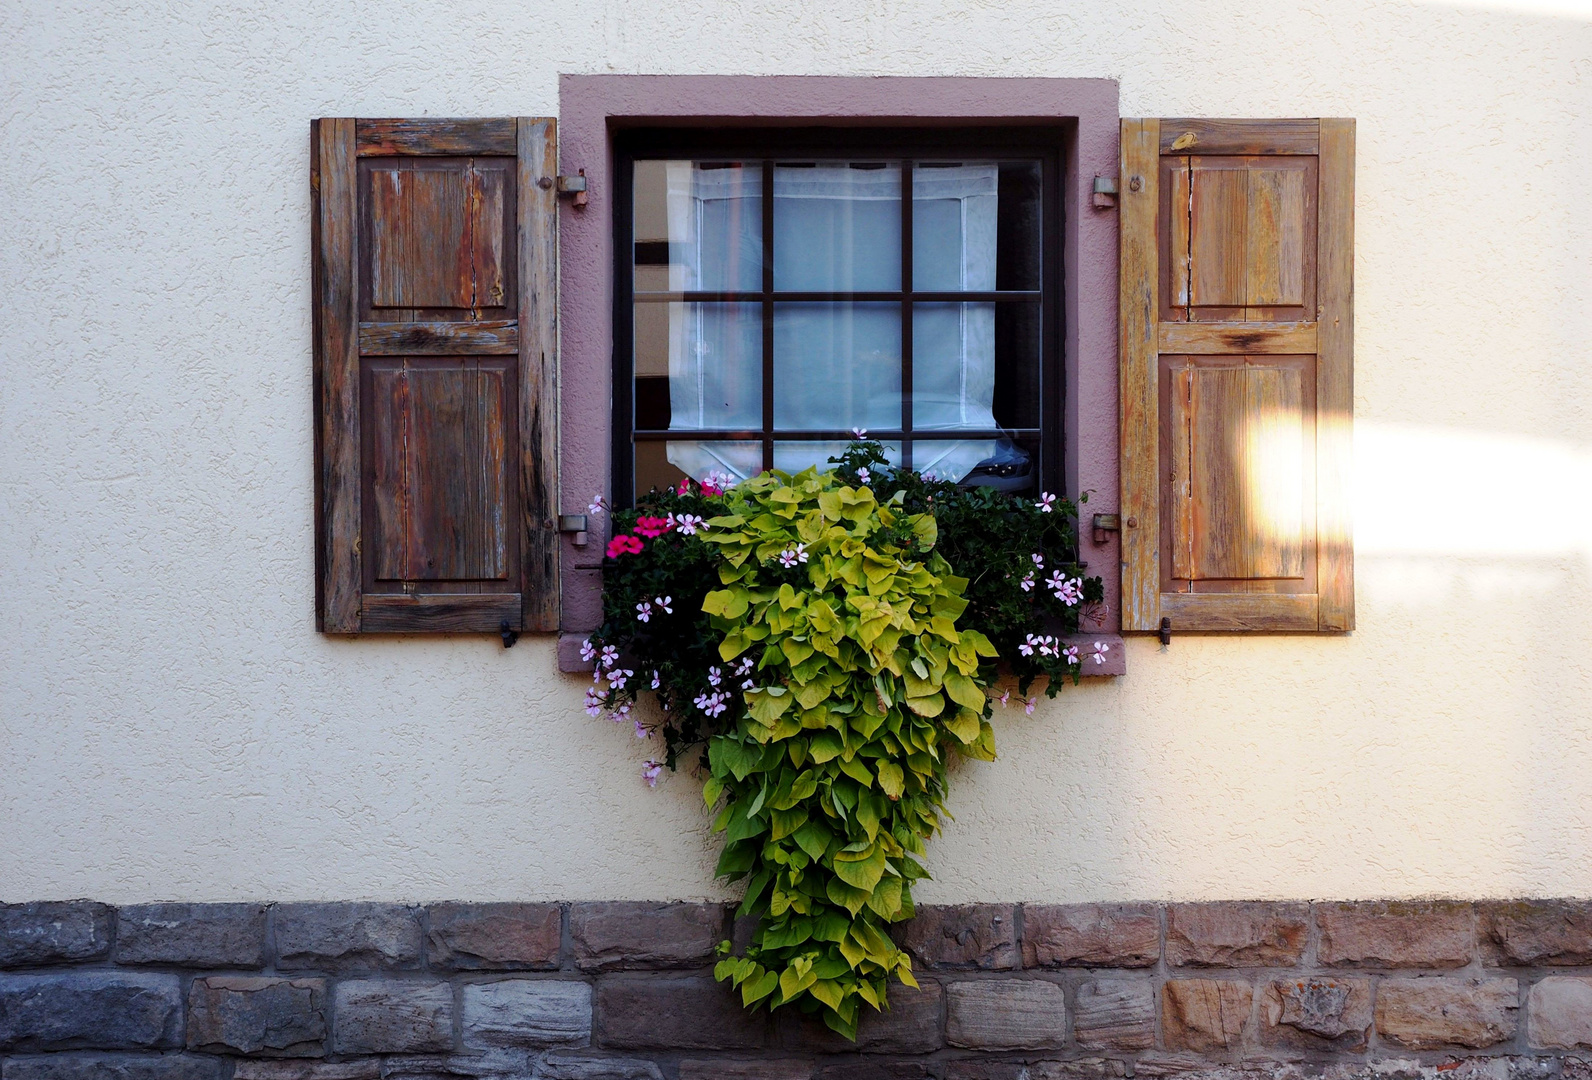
(787, 287)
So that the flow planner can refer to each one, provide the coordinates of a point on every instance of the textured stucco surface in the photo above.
(172, 728)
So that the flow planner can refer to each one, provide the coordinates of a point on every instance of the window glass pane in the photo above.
(1018, 385)
(664, 464)
(953, 226)
(1019, 235)
(837, 366)
(1007, 464)
(953, 366)
(698, 226)
(793, 455)
(837, 226)
(698, 366)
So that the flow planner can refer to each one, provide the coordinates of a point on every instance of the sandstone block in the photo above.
(346, 937)
(1559, 1014)
(966, 936)
(251, 1015)
(1530, 932)
(615, 936)
(910, 1024)
(1236, 934)
(1423, 1014)
(875, 1069)
(1005, 1014)
(1395, 935)
(112, 1067)
(390, 1016)
(527, 1012)
(715, 1069)
(1091, 935)
(475, 1065)
(93, 1010)
(679, 1012)
(1204, 1014)
(191, 935)
(1309, 1013)
(1083, 1069)
(261, 1069)
(1115, 1014)
(52, 933)
(494, 937)
(562, 1065)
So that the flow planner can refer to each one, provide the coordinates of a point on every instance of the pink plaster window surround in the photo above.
(593, 107)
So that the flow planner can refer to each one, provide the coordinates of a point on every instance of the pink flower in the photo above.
(1027, 583)
(689, 524)
(598, 504)
(650, 771)
(685, 486)
(793, 555)
(1101, 648)
(715, 676)
(1027, 647)
(652, 527)
(1006, 695)
(643, 612)
(588, 652)
(1039, 560)
(641, 732)
(1070, 654)
(595, 700)
(859, 432)
(1031, 705)
(624, 545)
(863, 476)
(617, 678)
(657, 680)
(610, 656)
(1046, 501)
(1068, 592)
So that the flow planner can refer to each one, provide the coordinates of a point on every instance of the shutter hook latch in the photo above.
(1166, 631)
(510, 635)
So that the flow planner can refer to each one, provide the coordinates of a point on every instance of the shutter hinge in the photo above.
(1106, 523)
(573, 188)
(1105, 192)
(573, 523)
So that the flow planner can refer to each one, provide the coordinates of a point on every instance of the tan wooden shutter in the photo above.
(1237, 338)
(435, 362)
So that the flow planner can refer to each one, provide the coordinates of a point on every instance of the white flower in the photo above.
(664, 602)
(863, 476)
(748, 684)
(598, 504)
(860, 432)
(610, 656)
(1039, 560)
(714, 675)
(1101, 648)
(689, 524)
(657, 680)
(588, 652)
(1027, 647)
(1071, 654)
(617, 678)
(1046, 501)
(1027, 583)
(1068, 592)
(643, 612)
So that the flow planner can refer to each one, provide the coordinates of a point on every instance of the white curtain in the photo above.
(837, 366)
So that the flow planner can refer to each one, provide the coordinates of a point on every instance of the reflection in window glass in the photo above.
(837, 227)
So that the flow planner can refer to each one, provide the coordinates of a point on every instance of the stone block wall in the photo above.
(592, 991)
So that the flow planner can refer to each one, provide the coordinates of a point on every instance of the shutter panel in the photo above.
(435, 360)
(1237, 334)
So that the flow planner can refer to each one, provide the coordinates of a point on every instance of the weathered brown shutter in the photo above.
(435, 362)
(1237, 338)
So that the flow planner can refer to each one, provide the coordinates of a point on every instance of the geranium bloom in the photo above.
(657, 680)
(792, 556)
(595, 700)
(651, 527)
(588, 652)
(664, 602)
(1046, 501)
(617, 678)
(1068, 592)
(685, 486)
(610, 656)
(1039, 560)
(1027, 647)
(714, 676)
(650, 771)
(1029, 708)
(624, 545)
(689, 524)
(598, 504)
(1071, 654)
(643, 611)
(641, 732)
(1027, 583)
(1006, 695)
(862, 476)
(1101, 648)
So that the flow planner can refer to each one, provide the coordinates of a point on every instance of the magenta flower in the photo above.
(653, 527)
(624, 545)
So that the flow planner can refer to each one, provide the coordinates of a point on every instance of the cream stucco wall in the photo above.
(173, 728)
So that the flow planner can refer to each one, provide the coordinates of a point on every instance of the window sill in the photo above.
(1116, 662)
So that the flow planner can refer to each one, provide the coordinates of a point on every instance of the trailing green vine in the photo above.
(811, 634)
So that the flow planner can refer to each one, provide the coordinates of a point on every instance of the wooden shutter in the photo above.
(435, 363)
(1237, 340)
